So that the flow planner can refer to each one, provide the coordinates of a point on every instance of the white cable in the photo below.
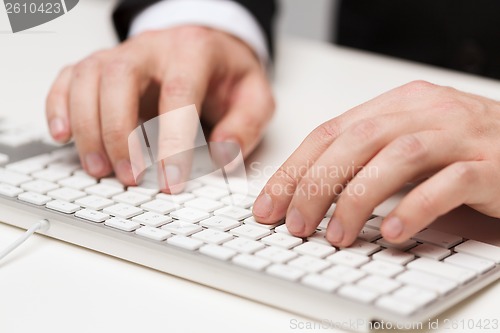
(42, 225)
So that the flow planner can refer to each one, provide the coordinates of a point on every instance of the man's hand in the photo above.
(99, 100)
(418, 131)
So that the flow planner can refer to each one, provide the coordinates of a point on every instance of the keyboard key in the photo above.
(212, 236)
(430, 251)
(122, 224)
(210, 192)
(358, 294)
(4, 159)
(94, 202)
(190, 215)
(66, 194)
(112, 181)
(153, 233)
(92, 215)
(324, 223)
(9, 190)
(238, 200)
(319, 237)
(344, 273)
(442, 269)
(348, 258)
(282, 240)
(250, 231)
(184, 242)
(375, 222)
(122, 210)
(417, 296)
(402, 246)
(13, 178)
(320, 282)
(176, 198)
(394, 256)
(379, 284)
(182, 228)
(382, 268)
(218, 252)
(396, 305)
(314, 249)
(150, 192)
(62, 206)
(427, 281)
(39, 186)
(103, 190)
(479, 265)
(285, 272)
(243, 245)
(276, 254)
(480, 249)
(309, 264)
(220, 223)
(251, 262)
(34, 198)
(152, 219)
(204, 204)
(25, 167)
(438, 238)
(361, 247)
(251, 221)
(131, 198)
(233, 212)
(283, 229)
(77, 182)
(67, 166)
(160, 206)
(51, 175)
(369, 235)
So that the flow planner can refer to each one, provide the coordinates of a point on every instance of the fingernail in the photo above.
(393, 227)
(337, 231)
(57, 127)
(173, 174)
(295, 222)
(263, 206)
(95, 163)
(123, 170)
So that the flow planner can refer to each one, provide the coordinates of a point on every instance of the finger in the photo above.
(85, 123)
(403, 160)
(120, 94)
(184, 86)
(57, 106)
(251, 108)
(340, 162)
(460, 183)
(273, 201)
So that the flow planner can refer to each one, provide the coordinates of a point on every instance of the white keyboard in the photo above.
(209, 236)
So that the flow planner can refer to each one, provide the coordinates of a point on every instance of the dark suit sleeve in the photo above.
(262, 11)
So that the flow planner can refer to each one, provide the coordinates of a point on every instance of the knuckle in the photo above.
(178, 86)
(425, 201)
(327, 132)
(409, 148)
(114, 135)
(194, 33)
(365, 130)
(417, 88)
(285, 175)
(119, 66)
(464, 172)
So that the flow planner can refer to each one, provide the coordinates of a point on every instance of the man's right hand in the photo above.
(99, 100)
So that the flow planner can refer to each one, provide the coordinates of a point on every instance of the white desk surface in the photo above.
(51, 286)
